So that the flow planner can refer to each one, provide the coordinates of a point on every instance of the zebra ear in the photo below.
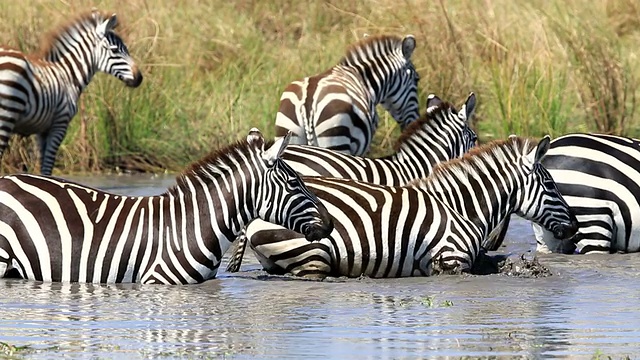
(408, 45)
(275, 151)
(469, 107)
(255, 139)
(107, 25)
(432, 102)
(542, 148)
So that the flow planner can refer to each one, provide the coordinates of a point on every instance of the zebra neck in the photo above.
(358, 85)
(485, 207)
(77, 68)
(421, 154)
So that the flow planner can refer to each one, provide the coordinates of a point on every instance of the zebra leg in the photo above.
(235, 259)
(49, 144)
(6, 130)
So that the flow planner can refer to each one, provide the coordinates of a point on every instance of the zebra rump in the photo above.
(56, 230)
(336, 109)
(431, 225)
(599, 176)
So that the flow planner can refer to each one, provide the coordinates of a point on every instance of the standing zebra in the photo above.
(599, 176)
(440, 135)
(39, 93)
(436, 223)
(55, 230)
(337, 108)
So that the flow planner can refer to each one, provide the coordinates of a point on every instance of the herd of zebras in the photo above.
(314, 208)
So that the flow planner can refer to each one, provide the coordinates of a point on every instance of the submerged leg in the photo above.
(235, 259)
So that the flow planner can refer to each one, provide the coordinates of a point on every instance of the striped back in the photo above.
(441, 134)
(507, 174)
(91, 42)
(337, 108)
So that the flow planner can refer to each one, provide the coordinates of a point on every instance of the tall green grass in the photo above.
(214, 69)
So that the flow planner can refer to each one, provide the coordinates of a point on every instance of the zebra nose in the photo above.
(136, 81)
(318, 231)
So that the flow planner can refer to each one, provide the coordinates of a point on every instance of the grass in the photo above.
(214, 69)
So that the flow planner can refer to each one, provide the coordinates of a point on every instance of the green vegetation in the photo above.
(213, 69)
(8, 351)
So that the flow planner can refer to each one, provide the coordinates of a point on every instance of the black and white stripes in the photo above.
(337, 108)
(435, 223)
(599, 176)
(55, 230)
(39, 93)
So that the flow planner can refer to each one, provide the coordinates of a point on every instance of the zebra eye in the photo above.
(293, 182)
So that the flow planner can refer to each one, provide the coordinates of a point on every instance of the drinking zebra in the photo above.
(56, 230)
(39, 93)
(433, 224)
(440, 135)
(599, 176)
(336, 109)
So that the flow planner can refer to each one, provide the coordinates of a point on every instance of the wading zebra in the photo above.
(55, 230)
(433, 224)
(39, 93)
(337, 108)
(599, 176)
(440, 135)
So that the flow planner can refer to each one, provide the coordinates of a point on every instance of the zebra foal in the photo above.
(55, 230)
(39, 93)
(336, 109)
(441, 134)
(436, 223)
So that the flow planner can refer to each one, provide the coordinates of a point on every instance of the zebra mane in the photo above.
(80, 21)
(213, 164)
(429, 119)
(476, 160)
(372, 47)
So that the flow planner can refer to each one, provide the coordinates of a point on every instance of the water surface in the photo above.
(588, 307)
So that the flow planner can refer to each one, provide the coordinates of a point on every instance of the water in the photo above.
(588, 307)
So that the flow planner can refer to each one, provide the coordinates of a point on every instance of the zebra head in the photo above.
(285, 200)
(542, 202)
(112, 55)
(467, 138)
(401, 100)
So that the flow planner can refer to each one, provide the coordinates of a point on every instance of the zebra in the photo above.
(39, 93)
(441, 134)
(177, 237)
(336, 109)
(435, 224)
(599, 176)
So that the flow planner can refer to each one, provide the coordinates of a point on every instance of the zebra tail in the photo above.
(235, 259)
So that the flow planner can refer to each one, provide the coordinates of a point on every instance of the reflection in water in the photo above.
(587, 306)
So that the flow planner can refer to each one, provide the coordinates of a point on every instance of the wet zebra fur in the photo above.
(599, 177)
(336, 109)
(441, 134)
(56, 230)
(39, 93)
(431, 225)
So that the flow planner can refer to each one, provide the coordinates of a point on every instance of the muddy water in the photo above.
(589, 306)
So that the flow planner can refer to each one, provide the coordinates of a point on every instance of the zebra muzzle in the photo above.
(136, 81)
(566, 230)
(315, 232)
